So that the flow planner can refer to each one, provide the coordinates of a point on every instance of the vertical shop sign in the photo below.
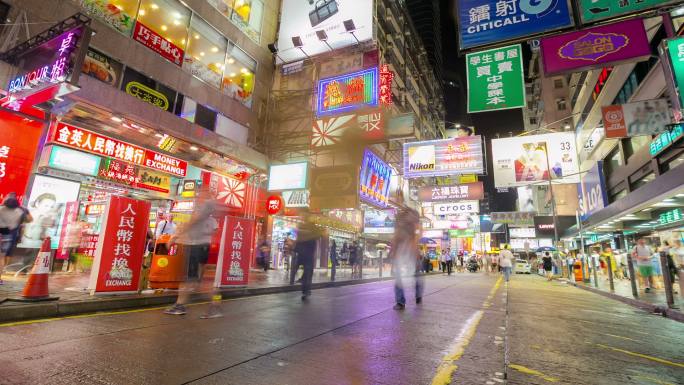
(158, 44)
(386, 77)
(70, 216)
(120, 247)
(675, 48)
(495, 79)
(234, 255)
(374, 180)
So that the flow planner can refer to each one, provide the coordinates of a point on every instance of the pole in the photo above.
(553, 199)
(380, 252)
(667, 279)
(632, 277)
(609, 262)
(593, 267)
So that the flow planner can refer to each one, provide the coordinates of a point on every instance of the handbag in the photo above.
(323, 10)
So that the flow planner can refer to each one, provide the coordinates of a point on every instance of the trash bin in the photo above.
(168, 267)
(577, 270)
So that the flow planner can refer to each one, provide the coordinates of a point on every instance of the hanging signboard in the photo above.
(235, 252)
(334, 187)
(348, 92)
(328, 130)
(386, 77)
(467, 191)
(483, 22)
(18, 143)
(663, 141)
(513, 218)
(296, 198)
(675, 48)
(291, 176)
(443, 157)
(647, 117)
(120, 246)
(523, 160)
(595, 10)
(592, 192)
(455, 208)
(495, 79)
(521, 232)
(378, 221)
(596, 47)
(374, 180)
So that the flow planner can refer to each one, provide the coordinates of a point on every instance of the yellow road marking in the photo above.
(653, 380)
(448, 366)
(621, 337)
(655, 359)
(532, 372)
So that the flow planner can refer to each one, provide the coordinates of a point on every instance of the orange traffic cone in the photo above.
(36, 288)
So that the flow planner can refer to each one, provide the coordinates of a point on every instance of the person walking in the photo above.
(608, 256)
(333, 260)
(164, 226)
(449, 261)
(506, 262)
(547, 263)
(671, 267)
(264, 255)
(442, 262)
(405, 254)
(12, 217)
(305, 248)
(642, 254)
(677, 252)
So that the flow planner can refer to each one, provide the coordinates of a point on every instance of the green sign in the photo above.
(666, 139)
(466, 233)
(495, 79)
(671, 216)
(594, 10)
(675, 48)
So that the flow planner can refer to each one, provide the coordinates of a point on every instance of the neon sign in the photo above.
(386, 77)
(375, 179)
(348, 92)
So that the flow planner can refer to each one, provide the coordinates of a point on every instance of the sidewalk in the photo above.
(74, 297)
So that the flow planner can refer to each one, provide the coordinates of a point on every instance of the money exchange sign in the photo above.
(495, 79)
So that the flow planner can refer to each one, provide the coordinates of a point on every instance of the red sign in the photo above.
(614, 121)
(18, 146)
(386, 77)
(70, 216)
(236, 246)
(158, 44)
(88, 244)
(119, 255)
(94, 143)
(274, 204)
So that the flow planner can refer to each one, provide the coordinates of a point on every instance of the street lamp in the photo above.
(323, 36)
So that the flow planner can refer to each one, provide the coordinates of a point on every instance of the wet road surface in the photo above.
(461, 334)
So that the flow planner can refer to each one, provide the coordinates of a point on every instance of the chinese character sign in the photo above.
(158, 44)
(663, 141)
(594, 10)
(465, 191)
(675, 48)
(386, 77)
(120, 247)
(348, 92)
(235, 252)
(495, 79)
(483, 22)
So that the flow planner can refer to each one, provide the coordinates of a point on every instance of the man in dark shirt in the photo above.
(305, 249)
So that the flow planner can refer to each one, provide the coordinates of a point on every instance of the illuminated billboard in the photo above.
(290, 176)
(347, 92)
(309, 28)
(443, 157)
(374, 180)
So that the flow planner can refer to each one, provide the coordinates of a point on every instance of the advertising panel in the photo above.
(466, 191)
(66, 159)
(291, 176)
(595, 10)
(334, 187)
(234, 253)
(455, 208)
(595, 47)
(347, 92)
(315, 27)
(513, 218)
(662, 142)
(70, 216)
(102, 67)
(46, 205)
(296, 198)
(483, 22)
(646, 117)
(523, 160)
(521, 232)
(495, 79)
(544, 225)
(157, 43)
(120, 246)
(378, 221)
(374, 180)
(675, 48)
(443, 157)
(328, 130)
(18, 144)
(592, 191)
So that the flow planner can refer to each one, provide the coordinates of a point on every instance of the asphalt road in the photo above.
(460, 334)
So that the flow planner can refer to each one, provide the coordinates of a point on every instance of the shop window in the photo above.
(642, 181)
(205, 117)
(245, 14)
(561, 104)
(148, 90)
(162, 26)
(613, 161)
(119, 14)
(231, 129)
(238, 76)
(674, 162)
(206, 52)
(557, 83)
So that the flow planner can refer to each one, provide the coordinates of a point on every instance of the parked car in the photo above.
(522, 266)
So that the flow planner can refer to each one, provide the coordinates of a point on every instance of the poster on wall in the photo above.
(378, 221)
(374, 180)
(306, 27)
(443, 157)
(483, 22)
(496, 79)
(235, 252)
(348, 92)
(120, 246)
(525, 160)
(648, 117)
(102, 67)
(595, 47)
(46, 204)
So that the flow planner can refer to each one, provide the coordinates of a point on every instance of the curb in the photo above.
(60, 309)
(649, 307)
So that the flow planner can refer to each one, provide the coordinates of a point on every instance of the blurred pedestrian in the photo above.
(442, 261)
(671, 268)
(405, 255)
(164, 225)
(333, 260)
(642, 254)
(354, 258)
(264, 255)
(547, 264)
(494, 259)
(449, 261)
(307, 241)
(195, 239)
(608, 256)
(12, 217)
(677, 252)
(506, 262)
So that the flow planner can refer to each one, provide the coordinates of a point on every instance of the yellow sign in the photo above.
(467, 178)
(155, 181)
(147, 94)
(162, 262)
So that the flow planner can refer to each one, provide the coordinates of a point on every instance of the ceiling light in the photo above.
(116, 119)
(243, 70)
(232, 74)
(154, 6)
(176, 22)
(201, 53)
(231, 60)
(214, 49)
(194, 148)
(668, 200)
(141, 12)
(183, 41)
(196, 36)
(164, 28)
(176, 15)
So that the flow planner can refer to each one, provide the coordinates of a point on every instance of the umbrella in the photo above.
(426, 241)
(545, 248)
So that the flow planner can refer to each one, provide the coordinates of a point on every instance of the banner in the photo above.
(237, 244)
(374, 180)
(495, 79)
(647, 117)
(18, 143)
(328, 131)
(595, 10)
(513, 218)
(467, 191)
(443, 157)
(483, 22)
(595, 47)
(120, 246)
(592, 191)
(525, 160)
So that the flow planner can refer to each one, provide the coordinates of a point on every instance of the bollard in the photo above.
(667, 281)
(632, 277)
(380, 266)
(593, 267)
(609, 262)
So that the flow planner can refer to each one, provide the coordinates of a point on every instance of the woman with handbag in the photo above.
(12, 216)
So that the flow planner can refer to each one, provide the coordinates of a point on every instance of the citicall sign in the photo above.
(463, 207)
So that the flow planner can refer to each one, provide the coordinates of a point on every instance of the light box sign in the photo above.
(595, 10)
(671, 216)
(94, 143)
(675, 48)
(443, 157)
(329, 130)
(600, 46)
(521, 232)
(642, 118)
(592, 192)
(495, 79)
(466, 191)
(513, 218)
(456, 208)
(347, 92)
(18, 143)
(378, 221)
(524, 160)
(71, 160)
(483, 22)
(663, 141)
(290, 176)
(374, 180)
